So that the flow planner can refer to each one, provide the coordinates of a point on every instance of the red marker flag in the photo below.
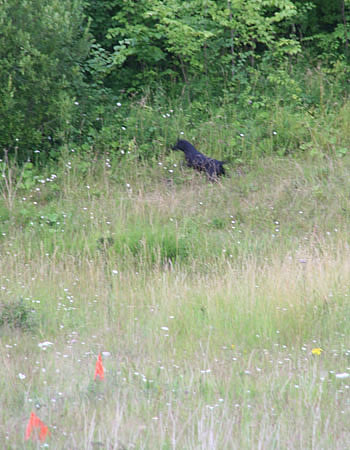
(35, 422)
(99, 368)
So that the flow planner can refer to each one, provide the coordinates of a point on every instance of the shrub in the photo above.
(17, 315)
(155, 244)
(41, 47)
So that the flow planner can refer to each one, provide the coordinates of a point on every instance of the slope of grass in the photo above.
(206, 301)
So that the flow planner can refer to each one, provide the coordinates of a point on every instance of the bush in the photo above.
(155, 244)
(41, 47)
(17, 315)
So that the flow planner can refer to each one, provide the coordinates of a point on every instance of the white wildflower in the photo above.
(44, 345)
(343, 375)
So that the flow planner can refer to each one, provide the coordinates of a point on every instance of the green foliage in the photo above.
(62, 88)
(323, 28)
(42, 45)
(168, 40)
(156, 244)
(17, 315)
(15, 177)
(214, 43)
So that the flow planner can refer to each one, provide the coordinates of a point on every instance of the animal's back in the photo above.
(199, 161)
(186, 147)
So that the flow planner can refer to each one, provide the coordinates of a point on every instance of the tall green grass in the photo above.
(205, 299)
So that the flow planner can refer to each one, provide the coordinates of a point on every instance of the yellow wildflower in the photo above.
(316, 351)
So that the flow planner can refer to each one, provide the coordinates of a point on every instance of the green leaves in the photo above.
(201, 36)
(42, 45)
(54, 79)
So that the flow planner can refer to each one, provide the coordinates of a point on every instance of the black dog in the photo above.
(212, 167)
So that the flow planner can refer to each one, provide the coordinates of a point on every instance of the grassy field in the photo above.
(221, 310)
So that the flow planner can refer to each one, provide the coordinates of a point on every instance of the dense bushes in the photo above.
(67, 66)
(42, 44)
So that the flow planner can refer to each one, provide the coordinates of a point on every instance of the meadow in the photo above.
(221, 310)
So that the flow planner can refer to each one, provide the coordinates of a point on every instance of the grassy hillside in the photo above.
(206, 300)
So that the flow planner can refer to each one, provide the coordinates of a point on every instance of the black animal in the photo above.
(212, 167)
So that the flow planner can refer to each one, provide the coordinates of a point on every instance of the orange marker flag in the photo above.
(99, 368)
(35, 422)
